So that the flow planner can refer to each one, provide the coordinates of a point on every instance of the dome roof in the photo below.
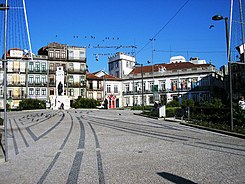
(177, 59)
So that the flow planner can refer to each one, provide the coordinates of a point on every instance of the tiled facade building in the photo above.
(36, 78)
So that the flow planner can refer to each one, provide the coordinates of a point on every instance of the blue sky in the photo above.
(132, 22)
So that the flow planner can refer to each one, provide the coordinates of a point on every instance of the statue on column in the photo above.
(60, 89)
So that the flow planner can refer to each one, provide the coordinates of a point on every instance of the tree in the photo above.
(28, 104)
(173, 103)
(188, 103)
(85, 103)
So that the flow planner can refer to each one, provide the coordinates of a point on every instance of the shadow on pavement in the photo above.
(175, 179)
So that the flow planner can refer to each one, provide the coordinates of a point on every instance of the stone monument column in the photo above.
(60, 81)
(59, 100)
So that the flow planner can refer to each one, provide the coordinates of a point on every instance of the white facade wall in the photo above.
(117, 94)
(120, 64)
(76, 53)
(202, 78)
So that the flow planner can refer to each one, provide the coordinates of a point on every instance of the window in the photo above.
(174, 85)
(70, 79)
(116, 64)
(31, 77)
(126, 87)
(82, 80)
(183, 84)
(71, 54)
(99, 96)
(63, 55)
(43, 79)
(51, 92)
(127, 101)
(57, 54)
(115, 88)
(108, 88)
(31, 66)
(22, 93)
(31, 91)
(71, 67)
(117, 74)
(82, 67)
(71, 91)
(151, 86)
(51, 67)
(51, 80)
(43, 91)
(51, 54)
(98, 84)
(43, 67)
(10, 93)
(56, 66)
(137, 87)
(82, 92)
(111, 66)
(90, 84)
(82, 54)
(38, 91)
(151, 99)
(90, 95)
(193, 83)
(38, 67)
(37, 80)
(163, 85)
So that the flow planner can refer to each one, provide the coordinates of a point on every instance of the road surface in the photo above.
(116, 146)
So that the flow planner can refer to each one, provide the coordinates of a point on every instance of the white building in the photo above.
(120, 64)
(104, 87)
(178, 79)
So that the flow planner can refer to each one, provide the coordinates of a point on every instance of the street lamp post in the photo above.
(142, 85)
(5, 8)
(217, 18)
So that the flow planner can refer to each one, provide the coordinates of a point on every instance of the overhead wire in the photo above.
(164, 26)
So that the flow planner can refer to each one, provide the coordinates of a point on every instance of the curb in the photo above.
(242, 136)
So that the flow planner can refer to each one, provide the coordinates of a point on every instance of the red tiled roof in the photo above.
(110, 77)
(169, 67)
(92, 76)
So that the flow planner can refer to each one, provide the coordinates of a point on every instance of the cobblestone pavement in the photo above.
(112, 146)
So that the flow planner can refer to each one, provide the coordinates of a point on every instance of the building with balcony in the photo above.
(104, 87)
(194, 79)
(16, 78)
(35, 77)
(73, 61)
(37, 70)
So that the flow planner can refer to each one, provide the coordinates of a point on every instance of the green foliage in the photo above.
(211, 115)
(239, 116)
(214, 103)
(188, 103)
(171, 111)
(29, 104)
(85, 103)
(173, 103)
